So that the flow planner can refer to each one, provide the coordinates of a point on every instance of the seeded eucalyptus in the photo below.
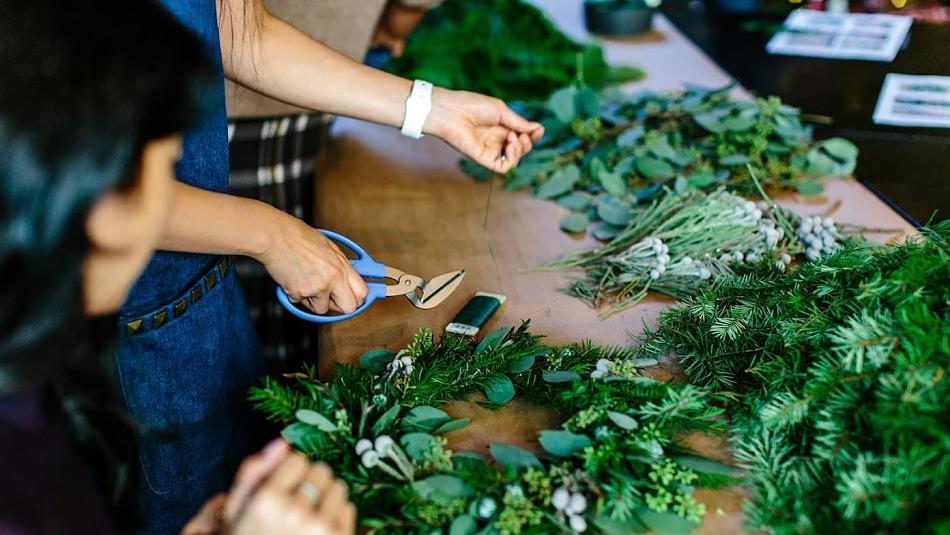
(602, 156)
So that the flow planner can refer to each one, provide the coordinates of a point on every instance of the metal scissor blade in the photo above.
(437, 290)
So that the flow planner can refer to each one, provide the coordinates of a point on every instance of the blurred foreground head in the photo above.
(93, 96)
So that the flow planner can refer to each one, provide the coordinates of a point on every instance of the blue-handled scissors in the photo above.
(421, 293)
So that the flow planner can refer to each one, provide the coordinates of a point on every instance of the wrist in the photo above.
(440, 115)
(267, 227)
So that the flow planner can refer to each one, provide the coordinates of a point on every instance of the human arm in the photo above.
(272, 57)
(308, 266)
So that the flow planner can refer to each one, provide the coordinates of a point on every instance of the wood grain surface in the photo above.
(410, 207)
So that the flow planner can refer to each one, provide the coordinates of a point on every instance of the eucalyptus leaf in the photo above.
(630, 137)
(587, 103)
(644, 363)
(839, 148)
(625, 166)
(442, 489)
(562, 104)
(611, 526)
(451, 425)
(701, 180)
(315, 419)
(417, 445)
(734, 159)
(492, 341)
(424, 418)
(499, 389)
(295, 433)
(809, 188)
(560, 376)
(706, 466)
(514, 457)
(563, 443)
(615, 213)
(612, 183)
(561, 182)
(665, 523)
(376, 360)
(661, 148)
(605, 232)
(574, 222)
(652, 168)
(523, 365)
(576, 201)
(463, 524)
(622, 420)
(387, 419)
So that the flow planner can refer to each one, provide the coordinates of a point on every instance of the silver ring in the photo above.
(309, 491)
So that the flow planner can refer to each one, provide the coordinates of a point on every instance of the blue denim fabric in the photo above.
(186, 382)
(203, 164)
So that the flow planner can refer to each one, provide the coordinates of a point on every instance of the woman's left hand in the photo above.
(482, 128)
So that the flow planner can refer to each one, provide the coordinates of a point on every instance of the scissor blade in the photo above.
(438, 289)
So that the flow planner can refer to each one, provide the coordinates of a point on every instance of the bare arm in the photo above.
(272, 57)
(311, 268)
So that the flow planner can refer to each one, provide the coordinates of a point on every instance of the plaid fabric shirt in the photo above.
(273, 160)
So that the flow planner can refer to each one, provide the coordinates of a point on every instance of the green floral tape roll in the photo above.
(475, 314)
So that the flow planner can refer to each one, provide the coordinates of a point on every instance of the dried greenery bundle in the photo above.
(600, 157)
(614, 466)
(681, 243)
(841, 409)
(505, 48)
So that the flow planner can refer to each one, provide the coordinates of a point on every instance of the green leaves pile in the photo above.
(841, 410)
(601, 157)
(614, 466)
(504, 48)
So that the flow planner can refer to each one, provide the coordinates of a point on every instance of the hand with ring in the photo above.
(277, 491)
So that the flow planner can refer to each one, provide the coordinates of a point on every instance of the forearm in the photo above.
(278, 60)
(201, 221)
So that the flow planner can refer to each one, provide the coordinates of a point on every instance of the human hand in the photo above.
(483, 128)
(395, 24)
(310, 267)
(277, 491)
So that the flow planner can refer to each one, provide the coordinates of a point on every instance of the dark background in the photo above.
(907, 167)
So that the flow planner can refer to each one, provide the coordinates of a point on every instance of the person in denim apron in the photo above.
(188, 353)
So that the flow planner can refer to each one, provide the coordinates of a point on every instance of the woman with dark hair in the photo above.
(187, 350)
(89, 135)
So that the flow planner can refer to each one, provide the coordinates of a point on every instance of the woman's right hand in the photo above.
(277, 491)
(311, 268)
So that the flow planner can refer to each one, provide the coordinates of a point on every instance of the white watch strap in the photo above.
(418, 106)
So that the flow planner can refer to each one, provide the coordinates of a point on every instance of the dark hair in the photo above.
(83, 86)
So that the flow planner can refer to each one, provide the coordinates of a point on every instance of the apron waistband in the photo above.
(179, 306)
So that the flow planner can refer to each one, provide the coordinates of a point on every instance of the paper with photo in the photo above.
(909, 100)
(864, 36)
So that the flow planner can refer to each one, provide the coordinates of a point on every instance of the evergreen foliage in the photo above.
(504, 48)
(601, 155)
(841, 407)
(616, 465)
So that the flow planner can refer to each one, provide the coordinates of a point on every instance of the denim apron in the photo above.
(187, 350)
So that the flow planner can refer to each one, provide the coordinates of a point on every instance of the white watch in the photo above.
(418, 106)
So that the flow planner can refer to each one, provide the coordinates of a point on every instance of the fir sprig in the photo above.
(843, 422)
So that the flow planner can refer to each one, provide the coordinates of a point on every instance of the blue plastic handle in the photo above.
(363, 264)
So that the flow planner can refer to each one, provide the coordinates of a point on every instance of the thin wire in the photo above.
(491, 249)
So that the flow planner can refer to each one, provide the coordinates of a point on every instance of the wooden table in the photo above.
(408, 204)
